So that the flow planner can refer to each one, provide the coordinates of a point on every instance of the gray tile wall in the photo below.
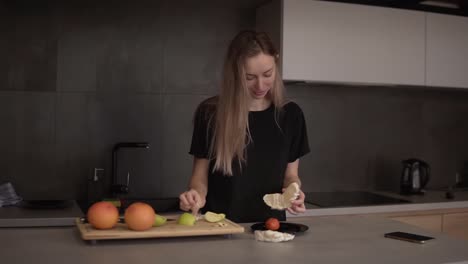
(77, 80)
(360, 135)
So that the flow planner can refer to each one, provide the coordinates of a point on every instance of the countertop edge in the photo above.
(380, 209)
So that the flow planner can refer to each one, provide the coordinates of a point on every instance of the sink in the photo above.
(350, 198)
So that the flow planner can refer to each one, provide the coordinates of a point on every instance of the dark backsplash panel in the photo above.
(80, 77)
(360, 135)
(76, 81)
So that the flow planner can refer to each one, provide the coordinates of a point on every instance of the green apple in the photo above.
(187, 219)
(159, 220)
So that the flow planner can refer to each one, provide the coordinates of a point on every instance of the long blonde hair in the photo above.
(231, 130)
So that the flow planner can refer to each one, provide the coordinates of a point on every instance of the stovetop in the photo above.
(349, 198)
(40, 213)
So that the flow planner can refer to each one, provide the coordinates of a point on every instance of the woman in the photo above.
(248, 140)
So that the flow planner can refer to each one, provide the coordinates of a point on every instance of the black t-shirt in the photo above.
(240, 196)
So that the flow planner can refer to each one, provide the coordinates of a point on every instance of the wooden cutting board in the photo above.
(170, 229)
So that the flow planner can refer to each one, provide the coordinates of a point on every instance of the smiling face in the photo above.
(260, 72)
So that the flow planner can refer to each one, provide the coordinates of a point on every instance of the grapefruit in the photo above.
(139, 216)
(103, 215)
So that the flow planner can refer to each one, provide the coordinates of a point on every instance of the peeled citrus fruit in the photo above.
(214, 217)
(159, 220)
(187, 219)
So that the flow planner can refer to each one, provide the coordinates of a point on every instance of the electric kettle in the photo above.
(414, 177)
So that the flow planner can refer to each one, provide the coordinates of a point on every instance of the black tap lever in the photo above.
(122, 188)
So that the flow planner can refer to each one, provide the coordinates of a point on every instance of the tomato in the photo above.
(272, 224)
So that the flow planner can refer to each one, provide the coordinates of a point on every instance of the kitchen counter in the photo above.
(431, 200)
(431, 196)
(23, 216)
(333, 239)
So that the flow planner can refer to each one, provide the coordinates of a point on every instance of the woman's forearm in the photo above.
(199, 179)
(292, 174)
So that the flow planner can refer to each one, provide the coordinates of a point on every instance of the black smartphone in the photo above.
(408, 237)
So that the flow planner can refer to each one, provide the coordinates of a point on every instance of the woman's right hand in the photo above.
(191, 200)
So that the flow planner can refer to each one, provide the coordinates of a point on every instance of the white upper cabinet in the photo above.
(447, 50)
(338, 42)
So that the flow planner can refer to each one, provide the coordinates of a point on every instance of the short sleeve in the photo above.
(201, 136)
(299, 142)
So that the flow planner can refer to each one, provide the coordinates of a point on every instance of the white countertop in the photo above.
(330, 239)
(382, 209)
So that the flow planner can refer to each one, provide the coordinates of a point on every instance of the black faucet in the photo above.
(122, 188)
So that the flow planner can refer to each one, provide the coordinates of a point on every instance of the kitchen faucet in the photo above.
(122, 188)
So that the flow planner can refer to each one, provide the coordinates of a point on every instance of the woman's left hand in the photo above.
(297, 206)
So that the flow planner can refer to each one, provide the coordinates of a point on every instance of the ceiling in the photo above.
(454, 7)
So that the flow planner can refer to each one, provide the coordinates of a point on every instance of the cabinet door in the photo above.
(447, 50)
(456, 225)
(325, 41)
(428, 222)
